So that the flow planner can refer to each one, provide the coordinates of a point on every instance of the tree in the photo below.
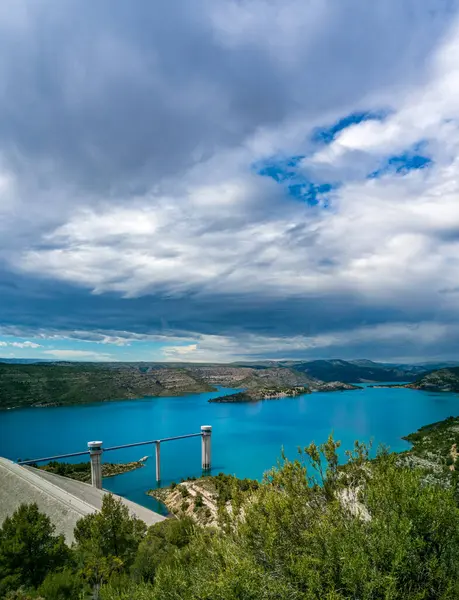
(29, 548)
(107, 542)
(113, 532)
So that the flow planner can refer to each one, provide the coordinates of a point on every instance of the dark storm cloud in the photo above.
(128, 135)
(115, 96)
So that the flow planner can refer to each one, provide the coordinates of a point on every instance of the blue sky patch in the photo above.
(403, 163)
(327, 134)
(285, 171)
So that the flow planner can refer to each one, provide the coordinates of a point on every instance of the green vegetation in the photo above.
(312, 530)
(56, 384)
(82, 471)
(29, 550)
(435, 452)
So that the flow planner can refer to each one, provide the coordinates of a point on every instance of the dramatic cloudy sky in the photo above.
(219, 180)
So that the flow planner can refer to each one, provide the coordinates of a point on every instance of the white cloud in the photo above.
(179, 351)
(79, 355)
(3, 344)
(25, 344)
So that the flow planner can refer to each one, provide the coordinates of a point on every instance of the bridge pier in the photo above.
(158, 461)
(95, 454)
(206, 431)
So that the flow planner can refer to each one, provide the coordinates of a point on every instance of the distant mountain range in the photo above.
(354, 371)
(42, 384)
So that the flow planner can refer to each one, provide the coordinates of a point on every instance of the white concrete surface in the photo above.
(64, 500)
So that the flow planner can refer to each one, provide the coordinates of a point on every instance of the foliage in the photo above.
(63, 585)
(109, 539)
(198, 501)
(159, 545)
(227, 486)
(28, 548)
(312, 530)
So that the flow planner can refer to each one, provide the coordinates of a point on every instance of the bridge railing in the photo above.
(96, 450)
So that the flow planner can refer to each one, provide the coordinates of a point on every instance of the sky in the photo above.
(232, 180)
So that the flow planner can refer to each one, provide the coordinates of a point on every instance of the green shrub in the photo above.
(62, 585)
(184, 491)
(198, 501)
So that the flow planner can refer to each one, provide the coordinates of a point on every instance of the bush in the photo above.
(369, 531)
(198, 501)
(62, 585)
(184, 491)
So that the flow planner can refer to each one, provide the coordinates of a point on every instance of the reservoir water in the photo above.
(246, 440)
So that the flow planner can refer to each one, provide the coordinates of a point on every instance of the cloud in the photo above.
(78, 355)
(24, 345)
(180, 351)
(130, 208)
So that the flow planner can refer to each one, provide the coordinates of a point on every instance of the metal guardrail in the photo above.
(96, 450)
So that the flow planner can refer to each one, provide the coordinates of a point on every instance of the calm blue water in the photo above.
(246, 440)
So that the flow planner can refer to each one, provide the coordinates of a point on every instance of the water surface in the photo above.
(246, 440)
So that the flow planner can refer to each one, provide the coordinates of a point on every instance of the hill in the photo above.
(359, 371)
(57, 384)
(54, 384)
(435, 451)
(443, 380)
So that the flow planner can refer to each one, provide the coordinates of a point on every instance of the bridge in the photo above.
(96, 450)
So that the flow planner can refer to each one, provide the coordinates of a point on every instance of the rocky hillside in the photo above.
(55, 384)
(207, 499)
(435, 450)
(443, 380)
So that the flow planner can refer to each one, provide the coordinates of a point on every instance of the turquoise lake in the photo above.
(246, 439)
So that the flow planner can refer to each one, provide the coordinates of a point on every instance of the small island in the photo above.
(262, 394)
(274, 393)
